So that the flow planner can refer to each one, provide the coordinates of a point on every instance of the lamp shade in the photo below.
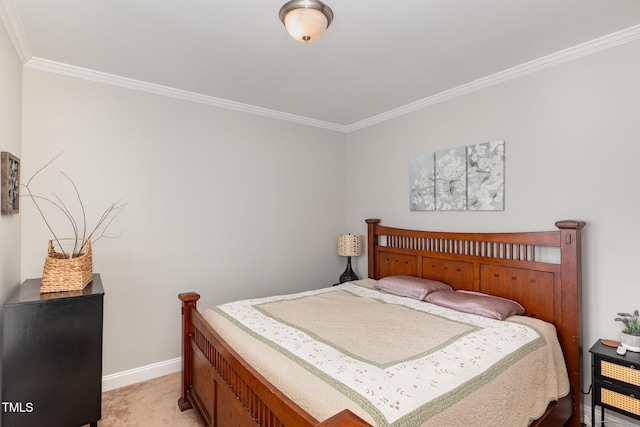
(349, 245)
(306, 20)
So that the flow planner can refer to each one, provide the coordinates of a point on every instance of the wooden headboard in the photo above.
(539, 269)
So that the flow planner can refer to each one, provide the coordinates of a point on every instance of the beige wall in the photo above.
(225, 203)
(572, 150)
(10, 135)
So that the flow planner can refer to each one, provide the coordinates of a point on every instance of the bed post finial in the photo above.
(570, 223)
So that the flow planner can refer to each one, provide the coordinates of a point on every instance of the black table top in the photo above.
(29, 292)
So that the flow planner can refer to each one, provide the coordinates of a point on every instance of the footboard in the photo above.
(227, 391)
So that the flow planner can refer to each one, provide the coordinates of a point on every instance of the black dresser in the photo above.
(52, 356)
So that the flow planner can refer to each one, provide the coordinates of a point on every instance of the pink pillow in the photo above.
(476, 303)
(409, 286)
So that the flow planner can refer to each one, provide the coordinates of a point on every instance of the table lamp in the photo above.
(349, 246)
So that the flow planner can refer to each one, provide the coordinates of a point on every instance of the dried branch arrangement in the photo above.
(79, 227)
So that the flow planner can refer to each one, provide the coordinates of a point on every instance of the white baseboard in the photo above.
(612, 419)
(143, 373)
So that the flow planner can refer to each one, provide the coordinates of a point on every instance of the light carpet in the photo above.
(149, 403)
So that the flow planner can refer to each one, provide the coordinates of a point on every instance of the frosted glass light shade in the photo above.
(306, 20)
(305, 25)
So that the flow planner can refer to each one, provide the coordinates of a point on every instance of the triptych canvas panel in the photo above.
(463, 178)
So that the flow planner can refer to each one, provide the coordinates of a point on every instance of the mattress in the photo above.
(396, 361)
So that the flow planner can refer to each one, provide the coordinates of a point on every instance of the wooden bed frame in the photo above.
(226, 391)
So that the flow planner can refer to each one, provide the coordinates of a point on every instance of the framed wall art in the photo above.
(9, 183)
(458, 179)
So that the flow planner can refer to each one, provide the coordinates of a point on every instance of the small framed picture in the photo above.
(9, 183)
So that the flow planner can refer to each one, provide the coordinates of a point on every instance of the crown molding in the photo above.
(584, 49)
(16, 32)
(114, 80)
(12, 22)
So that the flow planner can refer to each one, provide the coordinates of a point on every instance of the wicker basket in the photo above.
(66, 274)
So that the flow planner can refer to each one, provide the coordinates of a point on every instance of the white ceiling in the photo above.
(378, 58)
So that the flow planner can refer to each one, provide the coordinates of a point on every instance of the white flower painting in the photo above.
(422, 174)
(485, 176)
(451, 183)
(464, 178)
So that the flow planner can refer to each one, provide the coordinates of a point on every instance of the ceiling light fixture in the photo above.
(306, 20)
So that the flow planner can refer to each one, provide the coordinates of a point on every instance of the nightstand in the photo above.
(616, 381)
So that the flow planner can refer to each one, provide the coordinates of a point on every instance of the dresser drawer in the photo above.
(628, 374)
(618, 399)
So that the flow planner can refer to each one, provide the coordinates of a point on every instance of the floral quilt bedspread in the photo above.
(404, 362)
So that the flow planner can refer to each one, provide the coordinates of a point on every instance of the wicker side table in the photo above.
(616, 381)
